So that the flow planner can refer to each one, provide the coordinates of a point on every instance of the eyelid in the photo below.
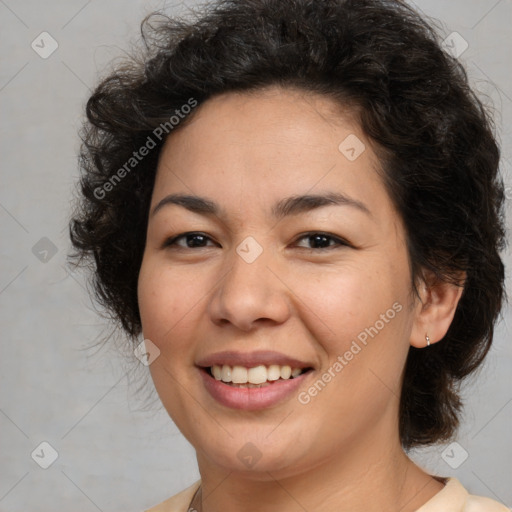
(171, 241)
(339, 241)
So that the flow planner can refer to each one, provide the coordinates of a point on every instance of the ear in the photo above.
(435, 308)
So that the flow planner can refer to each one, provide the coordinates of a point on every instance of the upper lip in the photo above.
(251, 359)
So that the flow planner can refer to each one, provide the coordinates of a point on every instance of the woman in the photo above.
(297, 205)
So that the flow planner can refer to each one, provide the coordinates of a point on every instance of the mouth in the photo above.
(254, 377)
(253, 381)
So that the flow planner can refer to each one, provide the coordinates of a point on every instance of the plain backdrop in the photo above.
(117, 449)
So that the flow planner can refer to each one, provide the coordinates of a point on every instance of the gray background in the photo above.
(117, 448)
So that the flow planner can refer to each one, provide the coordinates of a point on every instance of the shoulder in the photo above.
(481, 504)
(455, 498)
(179, 502)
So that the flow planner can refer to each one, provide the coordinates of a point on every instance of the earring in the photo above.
(428, 340)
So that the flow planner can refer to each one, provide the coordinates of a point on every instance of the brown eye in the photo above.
(321, 241)
(188, 240)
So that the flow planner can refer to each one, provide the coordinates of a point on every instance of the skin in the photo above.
(341, 451)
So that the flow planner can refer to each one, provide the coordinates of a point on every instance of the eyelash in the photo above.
(339, 242)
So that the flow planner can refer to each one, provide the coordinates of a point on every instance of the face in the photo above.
(272, 243)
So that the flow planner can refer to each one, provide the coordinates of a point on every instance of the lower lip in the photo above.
(251, 399)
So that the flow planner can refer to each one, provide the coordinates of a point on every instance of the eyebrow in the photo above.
(293, 205)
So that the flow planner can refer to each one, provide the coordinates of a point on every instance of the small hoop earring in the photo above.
(428, 340)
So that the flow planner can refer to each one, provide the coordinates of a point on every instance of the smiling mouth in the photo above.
(254, 377)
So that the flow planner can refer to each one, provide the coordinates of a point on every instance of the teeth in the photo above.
(256, 375)
(239, 375)
(226, 373)
(274, 372)
(286, 372)
(217, 372)
(296, 372)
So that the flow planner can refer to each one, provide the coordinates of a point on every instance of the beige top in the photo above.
(452, 498)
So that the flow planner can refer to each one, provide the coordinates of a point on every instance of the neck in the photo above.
(370, 477)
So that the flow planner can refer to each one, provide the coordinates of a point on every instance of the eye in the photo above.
(311, 241)
(319, 240)
(189, 240)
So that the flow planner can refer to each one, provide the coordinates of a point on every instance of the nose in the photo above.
(250, 294)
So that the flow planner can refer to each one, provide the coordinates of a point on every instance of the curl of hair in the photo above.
(439, 155)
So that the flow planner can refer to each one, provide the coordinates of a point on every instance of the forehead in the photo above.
(266, 144)
(273, 116)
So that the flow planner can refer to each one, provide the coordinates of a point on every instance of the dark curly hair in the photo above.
(435, 139)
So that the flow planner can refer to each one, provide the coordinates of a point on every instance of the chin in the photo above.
(254, 459)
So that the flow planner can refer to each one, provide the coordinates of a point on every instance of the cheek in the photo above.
(359, 318)
(167, 302)
(341, 304)
(169, 306)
